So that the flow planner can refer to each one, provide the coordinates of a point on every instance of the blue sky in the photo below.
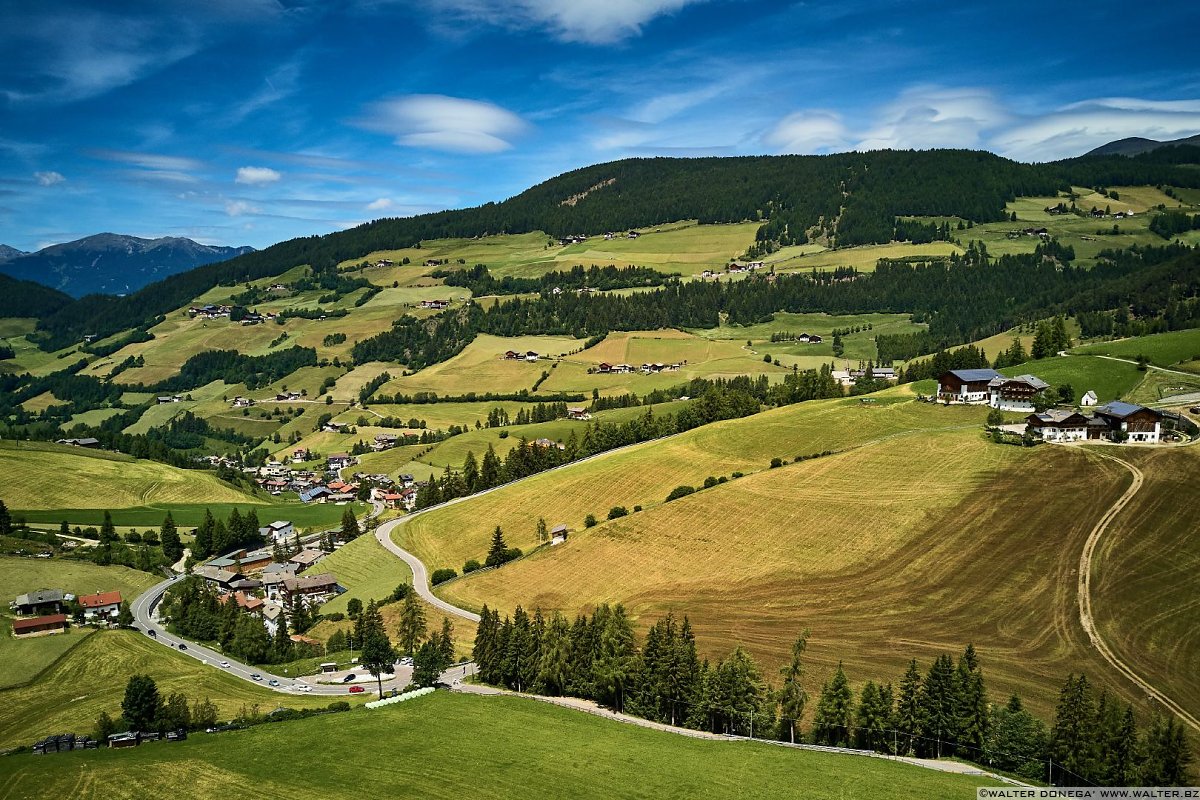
(252, 121)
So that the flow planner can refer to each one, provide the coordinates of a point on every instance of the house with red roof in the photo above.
(101, 607)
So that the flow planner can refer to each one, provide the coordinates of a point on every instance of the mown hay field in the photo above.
(48, 476)
(1146, 574)
(646, 473)
(1163, 349)
(904, 548)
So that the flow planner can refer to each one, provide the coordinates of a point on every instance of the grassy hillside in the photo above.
(457, 745)
(35, 473)
(909, 547)
(1146, 574)
(1110, 380)
(645, 474)
(1163, 349)
(24, 658)
(91, 678)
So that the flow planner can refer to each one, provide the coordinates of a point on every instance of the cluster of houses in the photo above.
(436, 305)
(849, 377)
(1039, 232)
(172, 398)
(260, 585)
(384, 262)
(529, 355)
(1116, 421)
(605, 368)
(211, 311)
(312, 486)
(577, 239)
(44, 611)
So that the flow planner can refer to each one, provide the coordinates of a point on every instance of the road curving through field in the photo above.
(1084, 591)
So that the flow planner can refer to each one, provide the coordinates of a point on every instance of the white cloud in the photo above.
(382, 204)
(48, 178)
(238, 208)
(150, 161)
(924, 117)
(256, 176)
(439, 122)
(1080, 127)
(812, 131)
(589, 21)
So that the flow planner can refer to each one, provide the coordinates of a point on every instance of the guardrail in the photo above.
(400, 698)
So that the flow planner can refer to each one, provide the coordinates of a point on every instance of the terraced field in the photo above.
(91, 678)
(35, 480)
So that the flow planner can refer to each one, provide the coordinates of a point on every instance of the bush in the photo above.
(776, 462)
(710, 482)
(336, 616)
(442, 575)
(589, 521)
(680, 491)
(338, 705)
(637, 509)
(722, 479)
(471, 566)
(400, 593)
(737, 475)
(618, 511)
(512, 554)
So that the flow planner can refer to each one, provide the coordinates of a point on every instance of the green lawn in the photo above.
(1110, 380)
(446, 745)
(21, 659)
(1163, 349)
(91, 678)
(366, 570)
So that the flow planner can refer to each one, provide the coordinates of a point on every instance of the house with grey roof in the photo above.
(1015, 394)
(970, 386)
(43, 601)
(1131, 422)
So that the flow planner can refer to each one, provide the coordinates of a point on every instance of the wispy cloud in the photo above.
(439, 122)
(48, 178)
(238, 208)
(587, 21)
(1082, 126)
(257, 176)
(152, 161)
(382, 204)
(811, 131)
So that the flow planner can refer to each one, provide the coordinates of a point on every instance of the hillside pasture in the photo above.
(91, 678)
(462, 745)
(1111, 380)
(863, 258)
(644, 474)
(1163, 349)
(904, 548)
(36, 474)
(22, 659)
(481, 367)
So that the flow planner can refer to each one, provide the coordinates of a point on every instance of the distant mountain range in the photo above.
(109, 263)
(1136, 145)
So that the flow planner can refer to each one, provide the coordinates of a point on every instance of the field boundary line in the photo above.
(1084, 591)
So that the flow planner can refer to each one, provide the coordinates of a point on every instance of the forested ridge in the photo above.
(962, 298)
(849, 197)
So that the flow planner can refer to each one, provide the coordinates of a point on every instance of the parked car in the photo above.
(406, 661)
(349, 678)
(255, 677)
(357, 690)
(225, 665)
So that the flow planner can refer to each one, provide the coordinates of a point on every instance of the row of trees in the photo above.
(944, 711)
(215, 536)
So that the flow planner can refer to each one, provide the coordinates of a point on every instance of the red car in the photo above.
(357, 690)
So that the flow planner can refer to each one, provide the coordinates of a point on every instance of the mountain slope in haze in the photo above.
(7, 252)
(1136, 145)
(109, 263)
